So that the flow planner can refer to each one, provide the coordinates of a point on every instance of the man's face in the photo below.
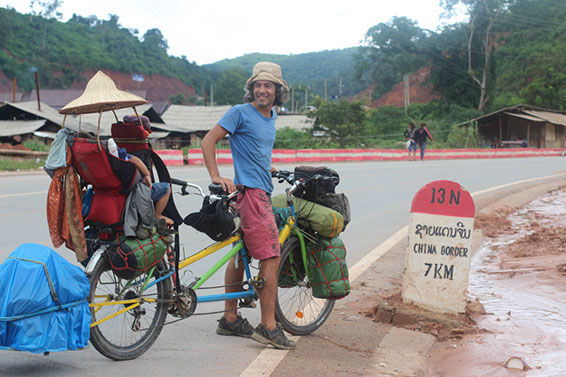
(264, 93)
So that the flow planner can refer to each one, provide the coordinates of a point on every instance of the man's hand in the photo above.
(227, 184)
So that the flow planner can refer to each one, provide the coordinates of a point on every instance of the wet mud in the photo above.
(518, 276)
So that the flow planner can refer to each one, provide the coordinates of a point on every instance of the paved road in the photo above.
(380, 196)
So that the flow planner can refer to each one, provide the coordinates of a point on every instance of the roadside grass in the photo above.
(8, 164)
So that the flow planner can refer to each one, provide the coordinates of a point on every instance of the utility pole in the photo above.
(340, 89)
(37, 90)
(306, 98)
(14, 89)
(325, 94)
(292, 100)
(407, 99)
(211, 94)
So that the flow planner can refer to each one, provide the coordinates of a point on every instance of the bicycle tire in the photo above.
(116, 338)
(296, 309)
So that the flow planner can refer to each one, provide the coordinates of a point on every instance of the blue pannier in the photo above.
(43, 302)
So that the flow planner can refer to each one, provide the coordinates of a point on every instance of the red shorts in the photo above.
(258, 224)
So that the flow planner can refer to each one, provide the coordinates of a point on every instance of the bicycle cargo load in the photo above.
(315, 188)
(43, 302)
(323, 220)
(328, 271)
(133, 256)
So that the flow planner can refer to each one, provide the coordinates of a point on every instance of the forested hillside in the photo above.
(61, 51)
(508, 52)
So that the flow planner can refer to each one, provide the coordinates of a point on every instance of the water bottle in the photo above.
(112, 147)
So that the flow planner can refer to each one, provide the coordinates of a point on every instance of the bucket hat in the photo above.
(101, 94)
(267, 71)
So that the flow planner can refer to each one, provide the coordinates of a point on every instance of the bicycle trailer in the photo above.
(43, 302)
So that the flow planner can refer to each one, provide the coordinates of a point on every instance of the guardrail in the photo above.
(223, 156)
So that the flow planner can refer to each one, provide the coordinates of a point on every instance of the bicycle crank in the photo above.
(185, 303)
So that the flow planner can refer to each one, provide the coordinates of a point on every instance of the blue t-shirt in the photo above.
(251, 140)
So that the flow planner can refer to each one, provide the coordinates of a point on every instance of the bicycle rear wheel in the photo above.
(130, 334)
(296, 309)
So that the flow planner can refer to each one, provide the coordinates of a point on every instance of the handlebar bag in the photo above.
(132, 256)
(218, 219)
(327, 268)
(315, 188)
(323, 220)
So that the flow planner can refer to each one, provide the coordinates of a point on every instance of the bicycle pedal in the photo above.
(257, 283)
(247, 303)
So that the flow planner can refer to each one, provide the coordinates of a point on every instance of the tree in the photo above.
(49, 10)
(342, 122)
(392, 50)
(153, 40)
(229, 88)
(483, 17)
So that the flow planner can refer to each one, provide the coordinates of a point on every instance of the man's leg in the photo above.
(231, 278)
(268, 294)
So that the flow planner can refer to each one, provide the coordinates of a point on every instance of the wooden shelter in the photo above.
(509, 127)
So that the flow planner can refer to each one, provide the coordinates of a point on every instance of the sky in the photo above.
(206, 31)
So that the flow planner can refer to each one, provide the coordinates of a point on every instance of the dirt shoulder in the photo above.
(372, 333)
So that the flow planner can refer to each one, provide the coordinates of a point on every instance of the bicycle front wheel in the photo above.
(296, 309)
(129, 334)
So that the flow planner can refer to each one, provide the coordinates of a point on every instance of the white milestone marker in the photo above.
(437, 262)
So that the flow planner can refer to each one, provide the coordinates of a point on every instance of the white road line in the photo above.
(23, 194)
(266, 362)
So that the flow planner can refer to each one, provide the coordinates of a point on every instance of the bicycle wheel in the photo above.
(298, 311)
(130, 334)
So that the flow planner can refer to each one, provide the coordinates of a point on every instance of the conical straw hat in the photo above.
(101, 94)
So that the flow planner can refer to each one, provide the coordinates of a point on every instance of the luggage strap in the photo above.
(51, 287)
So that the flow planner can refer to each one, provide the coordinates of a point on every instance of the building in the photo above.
(508, 127)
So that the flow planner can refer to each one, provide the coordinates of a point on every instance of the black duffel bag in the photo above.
(315, 188)
(218, 219)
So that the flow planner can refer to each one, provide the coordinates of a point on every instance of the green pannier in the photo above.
(132, 256)
(328, 272)
(325, 221)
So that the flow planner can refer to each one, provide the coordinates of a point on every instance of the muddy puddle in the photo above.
(519, 275)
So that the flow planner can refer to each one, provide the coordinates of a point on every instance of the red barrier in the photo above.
(171, 157)
(223, 156)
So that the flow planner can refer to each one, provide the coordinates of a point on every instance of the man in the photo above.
(251, 129)
(411, 143)
(421, 135)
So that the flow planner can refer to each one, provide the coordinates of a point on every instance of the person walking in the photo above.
(411, 143)
(251, 130)
(421, 136)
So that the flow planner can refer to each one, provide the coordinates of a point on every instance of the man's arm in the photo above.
(143, 170)
(213, 136)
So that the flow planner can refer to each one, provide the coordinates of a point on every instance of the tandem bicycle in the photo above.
(128, 315)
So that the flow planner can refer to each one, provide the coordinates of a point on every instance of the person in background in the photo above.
(251, 128)
(421, 136)
(524, 143)
(411, 143)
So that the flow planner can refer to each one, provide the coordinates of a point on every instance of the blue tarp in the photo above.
(43, 305)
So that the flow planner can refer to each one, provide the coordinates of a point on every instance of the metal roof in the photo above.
(525, 116)
(185, 119)
(89, 122)
(192, 118)
(19, 127)
(550, 117)
(46, 112)
(532, 113)
(296, 122)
